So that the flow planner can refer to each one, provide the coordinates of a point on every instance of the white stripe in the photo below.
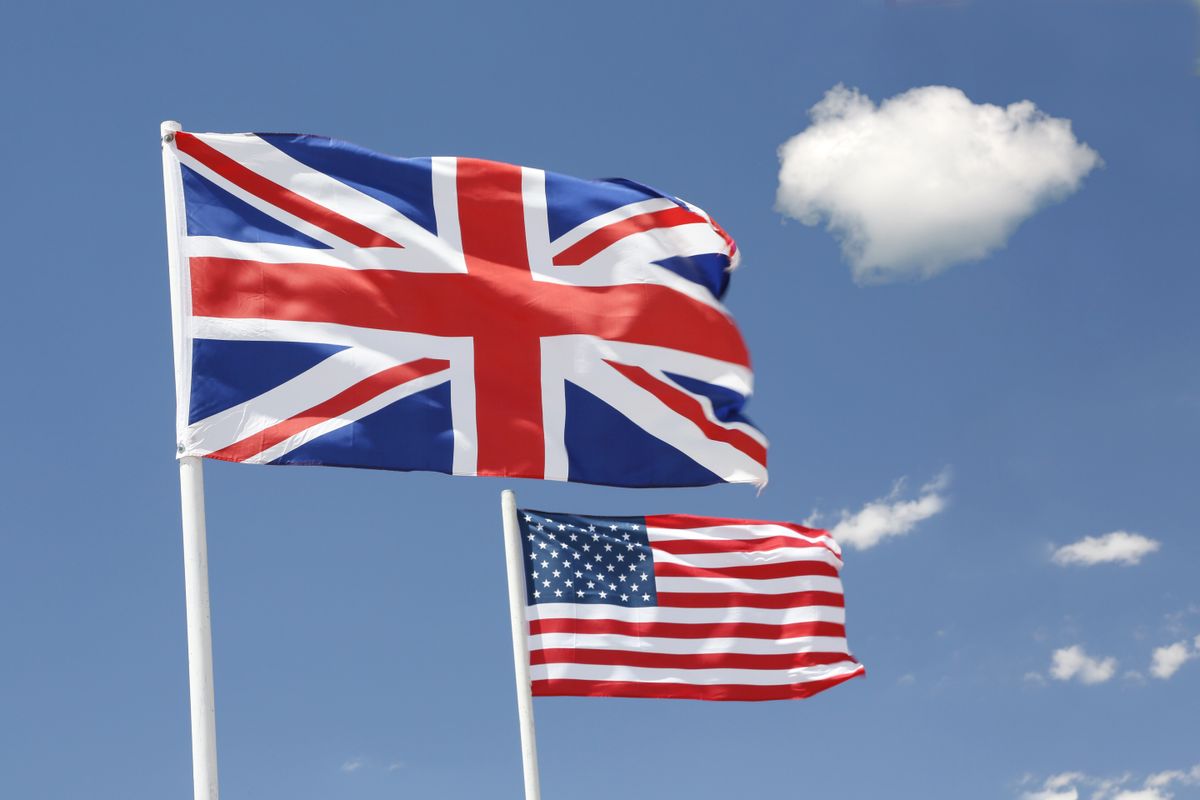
(376, 403)
(804, 583)
(607, 641)
(726, 532)
(581, 232)
(702, 677)
(647, 412)
(270, 162)
(410, 259)
(763, 616)
(749, 558)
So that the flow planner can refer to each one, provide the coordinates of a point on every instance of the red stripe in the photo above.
(596, 241)
(343, 227)
(347, 400)
(748, 600)
(686, 521)
(687, 630)
(479, 304)
(508, 361)
(570, 687)
(681, 547)
(755, 572)
(636, 658)
(687, 406)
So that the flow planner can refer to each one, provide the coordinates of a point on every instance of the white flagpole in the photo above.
(516, 612)
(195, 546)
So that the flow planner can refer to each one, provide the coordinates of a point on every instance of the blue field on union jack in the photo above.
(335, 306)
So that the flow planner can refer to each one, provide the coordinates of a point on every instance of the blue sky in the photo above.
(360, 620)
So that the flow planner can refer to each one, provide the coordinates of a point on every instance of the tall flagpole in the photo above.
(516, 612)
(195, 545)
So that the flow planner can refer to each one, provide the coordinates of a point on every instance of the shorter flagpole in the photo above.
(520, 629)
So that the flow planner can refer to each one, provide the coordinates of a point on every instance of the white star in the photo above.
(591, 585)
(574, 537)
(633, 567)
(611, 568)
(629, 546)
(562, 527)
(530, 537)
(528, 518)
(612, 586)
(587, 547)
(634, 587)
(580, 592)
(622, 578)
(634, 526)
(620, 557)
(607, 547)
(591, 528)
(568, 582)
(536, 595)
(643, 576)
(542, 545)
(625, 536)
(535, 575)
(645, 597)
(603, 595)
(554, 554)
(566, 565)
(624, 598)
(546, 584)
(533, 556)
(540, 526)
(612, 527)
(641, 556)
(599, 576)
(545, 564)
(555, 573)
(588, 566)
(558, 592)
(578, 574)
(595, 536)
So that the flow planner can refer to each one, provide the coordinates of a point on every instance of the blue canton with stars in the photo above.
(574, 559)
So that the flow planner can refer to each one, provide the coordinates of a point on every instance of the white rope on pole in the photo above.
(516, 609)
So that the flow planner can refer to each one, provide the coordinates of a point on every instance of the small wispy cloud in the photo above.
(353, 765)
(1118, 547)
(1073, 662)
(1166, 661)
(926, 179)
(1071, 785)
(890, 515)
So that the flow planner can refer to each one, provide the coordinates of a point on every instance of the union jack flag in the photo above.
(341, 307)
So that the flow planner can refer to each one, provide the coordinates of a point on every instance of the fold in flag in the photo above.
(682, 607)
(340, 307)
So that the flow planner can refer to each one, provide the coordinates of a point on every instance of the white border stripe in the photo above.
(702, 677)
(700, 616)
(600, 641)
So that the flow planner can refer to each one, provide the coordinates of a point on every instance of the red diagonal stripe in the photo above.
(343, 227)
(347, 400)
(758, 572)
(596, 241)
(634, 658)
(687, 406)
(687, 630)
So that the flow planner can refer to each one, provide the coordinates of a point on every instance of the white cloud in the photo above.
(353, 765)
(1119, 546)
(927, 179)
(1167, 660)
(1074, 662)
(1158, 786)
(889, 516)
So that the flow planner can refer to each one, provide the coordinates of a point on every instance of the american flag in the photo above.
(680, 606)
(341, 307)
